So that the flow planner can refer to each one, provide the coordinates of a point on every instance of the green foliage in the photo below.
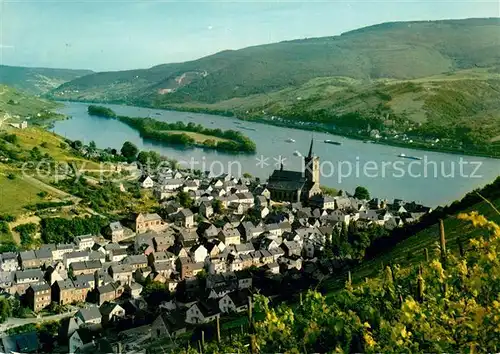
(101, 111)
(36, 154)
(7, 218)
(329, 191)
(5, 309)
(29, 327)
(27, 233)
(217, 206)
(161, 131)
(56, 309)
(149, 159)
(361, 193)
(77, 144)
(42, 194)
(435, 308)
(155, 293)
(393, 50)
(37, 81)
(129, 151)
(60, 230)
(184, 199)
(47, 205)
(11, 138)
(11, 176)
(106, 197)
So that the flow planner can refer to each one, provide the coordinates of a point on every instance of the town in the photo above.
(215, 241)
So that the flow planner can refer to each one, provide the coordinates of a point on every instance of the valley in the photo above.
(414, 84)
(335, 194)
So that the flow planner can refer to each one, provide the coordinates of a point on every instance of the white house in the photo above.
(60, 250)
(198, 253)
(111, 311)
(147, 182)
(72, 257)
(84, 242)
(226, 305)
(202, 312)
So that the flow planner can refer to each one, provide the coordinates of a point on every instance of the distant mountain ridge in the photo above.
(37, 80)
(396, 50)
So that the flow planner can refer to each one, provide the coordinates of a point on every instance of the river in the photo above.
(437, 179)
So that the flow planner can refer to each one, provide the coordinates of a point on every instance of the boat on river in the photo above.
(290, 140)
(404, 156)
(297, 153)
(328, 141)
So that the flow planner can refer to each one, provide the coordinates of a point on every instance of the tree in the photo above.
(27, 232)
(155, 293)
(11, 138)
(36, 154)
(149, 159)
(185, 199)
(77, 144)
(5, 309)
(129, 151)
(329, 191)
(361, 193)
(217, 206)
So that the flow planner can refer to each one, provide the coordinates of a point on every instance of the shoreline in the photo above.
(353, 136)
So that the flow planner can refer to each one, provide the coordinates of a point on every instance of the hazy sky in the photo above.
(116, 35)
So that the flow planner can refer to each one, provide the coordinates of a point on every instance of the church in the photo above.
(294, 186)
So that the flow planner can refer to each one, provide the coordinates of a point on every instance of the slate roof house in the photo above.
(38, 296)
(169, 324)
(21, 343)
(88, 317)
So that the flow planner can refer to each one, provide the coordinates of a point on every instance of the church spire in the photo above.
(311, 149)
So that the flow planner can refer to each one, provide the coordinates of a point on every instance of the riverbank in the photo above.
(178, 133)
(466, 151)
(351, 135)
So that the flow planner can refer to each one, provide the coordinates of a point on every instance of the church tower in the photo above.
(311, 166)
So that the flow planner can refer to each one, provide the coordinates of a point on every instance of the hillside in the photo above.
(414, 82)
(460, 108)
(402, 50)
(15, 102)
(37, 80)
(409, 247)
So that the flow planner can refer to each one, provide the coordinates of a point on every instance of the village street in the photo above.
(16, 322)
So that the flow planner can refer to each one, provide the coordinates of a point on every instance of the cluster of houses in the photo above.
(232, 226)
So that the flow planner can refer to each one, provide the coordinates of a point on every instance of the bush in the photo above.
(11, 176)
(42, 194)
(11, 138)
(27, 233)
(60, 230)
(44, 145)
(7, 218)
(46, 205)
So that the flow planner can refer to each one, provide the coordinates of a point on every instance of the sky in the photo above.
(105, 35)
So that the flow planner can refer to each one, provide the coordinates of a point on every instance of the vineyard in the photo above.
(447, 303)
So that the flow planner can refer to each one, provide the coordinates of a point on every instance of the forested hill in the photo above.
(37, 80)
(401, 50)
